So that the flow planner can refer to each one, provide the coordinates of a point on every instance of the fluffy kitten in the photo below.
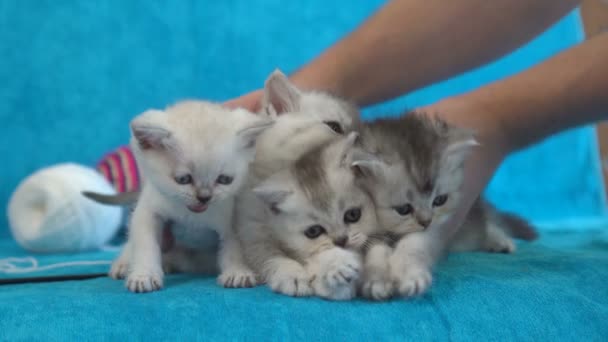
(304, 120)
(413, 170)
(194, 158)
(299, 237)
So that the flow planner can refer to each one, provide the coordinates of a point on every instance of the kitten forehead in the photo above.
(311, 176)
(203, 122)
(329, 108)
(415, 141)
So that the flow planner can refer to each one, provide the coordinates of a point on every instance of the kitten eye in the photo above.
(440, 200)
(405, 209)
(314, 232)
(335, 126)
(352, 215)
(224, 179)
(183, 179)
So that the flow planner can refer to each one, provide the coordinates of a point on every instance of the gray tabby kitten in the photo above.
(413, 170)
(302, 236)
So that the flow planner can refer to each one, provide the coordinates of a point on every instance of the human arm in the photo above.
(409, 44)
(566, 91)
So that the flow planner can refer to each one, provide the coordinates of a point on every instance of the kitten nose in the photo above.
(341, 241)
(203, 199)
(424, 222)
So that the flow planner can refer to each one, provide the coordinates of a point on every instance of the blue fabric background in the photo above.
(75, 72)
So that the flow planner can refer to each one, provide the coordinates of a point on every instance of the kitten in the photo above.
(300, 237)
(304, 120)
(414, 170)
(194, 158)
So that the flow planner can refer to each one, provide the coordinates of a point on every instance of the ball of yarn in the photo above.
(48, 214)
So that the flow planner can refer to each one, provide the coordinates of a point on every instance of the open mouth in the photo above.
(197, 208)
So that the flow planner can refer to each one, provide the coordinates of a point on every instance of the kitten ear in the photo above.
(346, 148)
(280, 95)
(365, 164)
(273, 191)
(252, 131)
(460, 145)
(150, 129)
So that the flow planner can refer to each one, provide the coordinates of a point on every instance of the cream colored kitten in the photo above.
(193, 158)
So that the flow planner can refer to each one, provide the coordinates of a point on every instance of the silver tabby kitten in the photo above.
(413, 168)
(302, 235)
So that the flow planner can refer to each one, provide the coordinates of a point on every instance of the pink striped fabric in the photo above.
(120, 169)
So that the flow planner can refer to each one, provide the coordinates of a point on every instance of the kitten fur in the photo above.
(282, 233)
(194, 159)
(413, 168)
(304, 120)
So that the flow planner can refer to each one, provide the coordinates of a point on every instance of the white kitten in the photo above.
(299, 238)
(414, 171)
(194, 158)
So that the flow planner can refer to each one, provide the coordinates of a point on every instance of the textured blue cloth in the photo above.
(75, 72)
(549, 291)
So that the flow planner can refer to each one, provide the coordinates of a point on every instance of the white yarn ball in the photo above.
(48, 214)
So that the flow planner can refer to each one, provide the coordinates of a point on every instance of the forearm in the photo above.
(409, 44)
(568, 90)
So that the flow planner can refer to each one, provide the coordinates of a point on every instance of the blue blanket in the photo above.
(551, 290)
(75, 72)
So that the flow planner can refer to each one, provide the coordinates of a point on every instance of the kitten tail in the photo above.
(517, 227)
(125, 198)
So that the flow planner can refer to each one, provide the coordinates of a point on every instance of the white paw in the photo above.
(146, 281)
(503, 245)
(377, 288)
(119, 269)
(337, 275)
(414, 281)
(290, 281)
(237, 277)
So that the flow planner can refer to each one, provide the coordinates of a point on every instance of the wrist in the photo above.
(472, 112)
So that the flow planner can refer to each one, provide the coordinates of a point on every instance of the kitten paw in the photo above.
(294, 283)
(377, 288)
(337, 275)
(413, 282)
(141, 282)
(237, 277)
(119, 269)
